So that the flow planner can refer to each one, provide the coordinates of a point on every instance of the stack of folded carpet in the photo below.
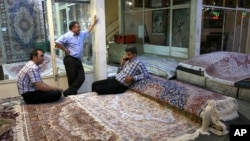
(224, 72)
(210, 106)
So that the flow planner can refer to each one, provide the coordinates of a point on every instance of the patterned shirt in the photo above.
(74, 43)
(29, 74)
(133, 68)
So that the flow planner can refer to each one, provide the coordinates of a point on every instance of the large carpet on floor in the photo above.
(127, 116)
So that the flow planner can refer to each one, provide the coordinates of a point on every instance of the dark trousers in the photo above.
(41, 97)
(75, 74)
(108, 86)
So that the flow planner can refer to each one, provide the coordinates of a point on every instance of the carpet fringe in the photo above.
(227, 109)
(187, 137)
(19, 129)
(215, 111)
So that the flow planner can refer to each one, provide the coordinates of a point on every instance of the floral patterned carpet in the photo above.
(7, 117)
(224, 66)
(127, 116)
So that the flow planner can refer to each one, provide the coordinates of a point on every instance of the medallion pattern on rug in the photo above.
(127, 116)
(22, 21)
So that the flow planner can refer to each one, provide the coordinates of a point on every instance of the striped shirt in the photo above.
(74, 43)
(133, 68)
(29, 74)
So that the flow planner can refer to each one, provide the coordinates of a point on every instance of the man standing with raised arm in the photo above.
(72, 43)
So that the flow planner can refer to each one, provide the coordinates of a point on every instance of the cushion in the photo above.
(192, 71)
(243, 83)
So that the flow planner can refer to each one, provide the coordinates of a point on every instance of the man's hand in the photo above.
(129, 79)
(67, 52)
(60, 46)
(44, 87)
(95, 20)
(94, 23)
(123, 60)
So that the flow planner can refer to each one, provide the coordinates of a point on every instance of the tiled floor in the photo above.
(244, 118)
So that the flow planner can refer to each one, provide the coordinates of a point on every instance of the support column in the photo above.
(99, 39)
(52, 44)
(195, 28)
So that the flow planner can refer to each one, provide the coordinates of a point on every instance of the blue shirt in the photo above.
(29, 74)
(133, 68)
(74, 43)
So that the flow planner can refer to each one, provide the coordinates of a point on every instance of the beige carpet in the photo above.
(90, 117)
